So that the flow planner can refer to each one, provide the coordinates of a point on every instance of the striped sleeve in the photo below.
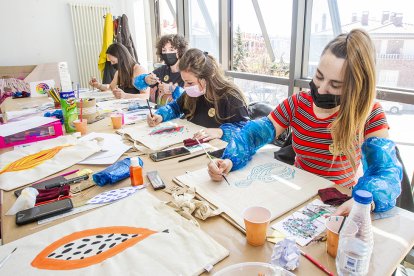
(376, 120)
(283, 113)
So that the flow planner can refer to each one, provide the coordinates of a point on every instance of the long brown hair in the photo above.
(358, 91)
(205, 66)
(126, 64)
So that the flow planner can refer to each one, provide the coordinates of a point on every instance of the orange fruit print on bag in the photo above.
(89, 247)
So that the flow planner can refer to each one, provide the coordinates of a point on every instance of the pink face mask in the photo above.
(194, 91)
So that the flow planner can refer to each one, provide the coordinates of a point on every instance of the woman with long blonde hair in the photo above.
(209, 99)
(331, 124)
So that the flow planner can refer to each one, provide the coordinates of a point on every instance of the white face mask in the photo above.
(194, 91)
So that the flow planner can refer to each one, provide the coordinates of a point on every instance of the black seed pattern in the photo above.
(69, 244)
(95, 242)
(99, 252)
(124, 240)
(68, 258)
(87, 251)
(99, 236)
(134, 235)
(86, 240)
(117, 239)
(108, 240)
(125, 235)
(102, 246)
(66, 250)
(81, 246)
(51, 255)
(112, 245)
(58, 256)
(110, 235)
(77, 252)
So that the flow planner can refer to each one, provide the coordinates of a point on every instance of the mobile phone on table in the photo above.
(167, 154)
(217, 153)
(43, 211)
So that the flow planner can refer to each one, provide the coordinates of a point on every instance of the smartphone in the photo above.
(43, 211)
(217, 153)
(167, 154)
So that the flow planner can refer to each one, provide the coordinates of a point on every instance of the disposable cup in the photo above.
(81, 126)
(333, 225)
(116, 120)
(256, 220)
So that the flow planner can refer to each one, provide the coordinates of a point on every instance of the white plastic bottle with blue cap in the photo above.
(355, 249)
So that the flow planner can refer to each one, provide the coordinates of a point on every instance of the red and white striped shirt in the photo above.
(311, 137)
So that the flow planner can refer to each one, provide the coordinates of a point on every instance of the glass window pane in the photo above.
(390, 25)
(204, 26)
(399, 116)
(251, 52)
(168, 24)
(256, 91)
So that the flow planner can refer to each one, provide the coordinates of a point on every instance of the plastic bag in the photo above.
(26, 200)
(382, 172)
(114, 173)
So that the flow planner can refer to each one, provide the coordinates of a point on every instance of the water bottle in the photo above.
(356, 243)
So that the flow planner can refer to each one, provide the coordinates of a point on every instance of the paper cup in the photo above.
(256, 220)
(333, 224)
(81, 126)
(116, 120)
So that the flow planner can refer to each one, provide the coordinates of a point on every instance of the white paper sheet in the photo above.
(306, 223)
(19, 126)
(112, 149)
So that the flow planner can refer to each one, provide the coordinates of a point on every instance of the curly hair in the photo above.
(176, 40)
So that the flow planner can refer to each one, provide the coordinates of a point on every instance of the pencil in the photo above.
(149, 107)
(191, 157)
(316, 263)
(211, 159)
(69, 173)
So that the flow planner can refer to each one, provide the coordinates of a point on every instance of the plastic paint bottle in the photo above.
(135, 171)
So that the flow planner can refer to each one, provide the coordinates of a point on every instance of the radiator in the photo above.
(88, 23)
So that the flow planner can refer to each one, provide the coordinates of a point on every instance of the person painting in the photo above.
(331, 126)
(165, 82)
(126, 71)
(209, 99)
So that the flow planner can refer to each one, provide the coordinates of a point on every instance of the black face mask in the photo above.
(170, 58)
(325, 101)
(115, 65)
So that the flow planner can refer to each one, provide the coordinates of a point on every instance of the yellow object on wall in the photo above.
(107, 39)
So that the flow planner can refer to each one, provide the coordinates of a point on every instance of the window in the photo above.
(167, 17)
(389, 23)
(204, 26)
(269, 93)
(261, 37)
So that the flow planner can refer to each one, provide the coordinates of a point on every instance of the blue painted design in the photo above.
(265, 173)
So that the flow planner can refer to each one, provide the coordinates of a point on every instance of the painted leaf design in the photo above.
(89, 247)
(112, 195)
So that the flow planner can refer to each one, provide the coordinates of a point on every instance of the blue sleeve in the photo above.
(177, 92)
(139, 82)
(229, 129)
(382, 172)
(170, 111)
(244, 144)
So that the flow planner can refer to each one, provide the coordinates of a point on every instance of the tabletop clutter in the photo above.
(35, 162)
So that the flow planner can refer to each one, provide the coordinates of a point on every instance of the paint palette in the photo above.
(112, 195)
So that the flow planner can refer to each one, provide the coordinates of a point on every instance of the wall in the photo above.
(40, 31)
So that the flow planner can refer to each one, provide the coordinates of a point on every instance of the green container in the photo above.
(69, 110)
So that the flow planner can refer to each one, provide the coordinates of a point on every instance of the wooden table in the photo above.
(393, 237)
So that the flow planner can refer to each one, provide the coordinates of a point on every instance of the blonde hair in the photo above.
(205, 66)
(358, 91)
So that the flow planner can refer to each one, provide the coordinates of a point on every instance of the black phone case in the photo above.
(24, 217)
(155, 159)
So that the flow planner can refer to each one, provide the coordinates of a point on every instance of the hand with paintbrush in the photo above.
(152, 118)
(217, 168)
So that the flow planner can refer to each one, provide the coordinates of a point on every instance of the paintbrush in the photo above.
(4, 260)
(211, 159)
(149, 107)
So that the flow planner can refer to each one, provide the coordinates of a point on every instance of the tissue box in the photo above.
(39, 133)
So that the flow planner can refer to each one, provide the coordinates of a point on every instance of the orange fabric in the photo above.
(43, 262)
(32, 160)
